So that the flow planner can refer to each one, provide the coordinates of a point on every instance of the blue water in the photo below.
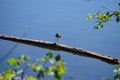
(41, 19)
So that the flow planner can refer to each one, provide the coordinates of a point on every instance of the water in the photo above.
(41, 19)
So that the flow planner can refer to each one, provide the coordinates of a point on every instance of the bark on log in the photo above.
(61, 47)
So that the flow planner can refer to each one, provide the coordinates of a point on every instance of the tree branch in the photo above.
(61, 47)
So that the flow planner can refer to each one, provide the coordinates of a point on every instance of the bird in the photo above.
(58, 36)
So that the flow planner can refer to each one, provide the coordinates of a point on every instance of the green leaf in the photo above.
(48, 71)
(118, 19)
(51, 67)
(116, 13)
(15, 69)
(42, 59)
(49, 55)
(89, 17)
(31, 78)
(40, 74)
(99, 16)
(13, 61)
(98, 25)
(108, 16)
(1, 77)
(36, 67)
(14, 79)
(117, 72)
(8, 74)
(58, 75)
(23, 58)
(107, 13)
(118, 65)
(60, 67)
(51, 73)
(59, 70)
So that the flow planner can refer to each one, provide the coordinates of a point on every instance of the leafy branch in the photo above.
(104, 17)
(56, 68)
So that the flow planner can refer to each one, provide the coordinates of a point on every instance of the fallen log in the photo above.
(61, 47)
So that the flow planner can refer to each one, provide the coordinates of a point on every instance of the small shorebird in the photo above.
(58, 35)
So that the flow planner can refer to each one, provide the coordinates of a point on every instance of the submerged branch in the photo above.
(61, 47)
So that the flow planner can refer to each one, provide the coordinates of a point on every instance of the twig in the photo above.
(61, 47)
